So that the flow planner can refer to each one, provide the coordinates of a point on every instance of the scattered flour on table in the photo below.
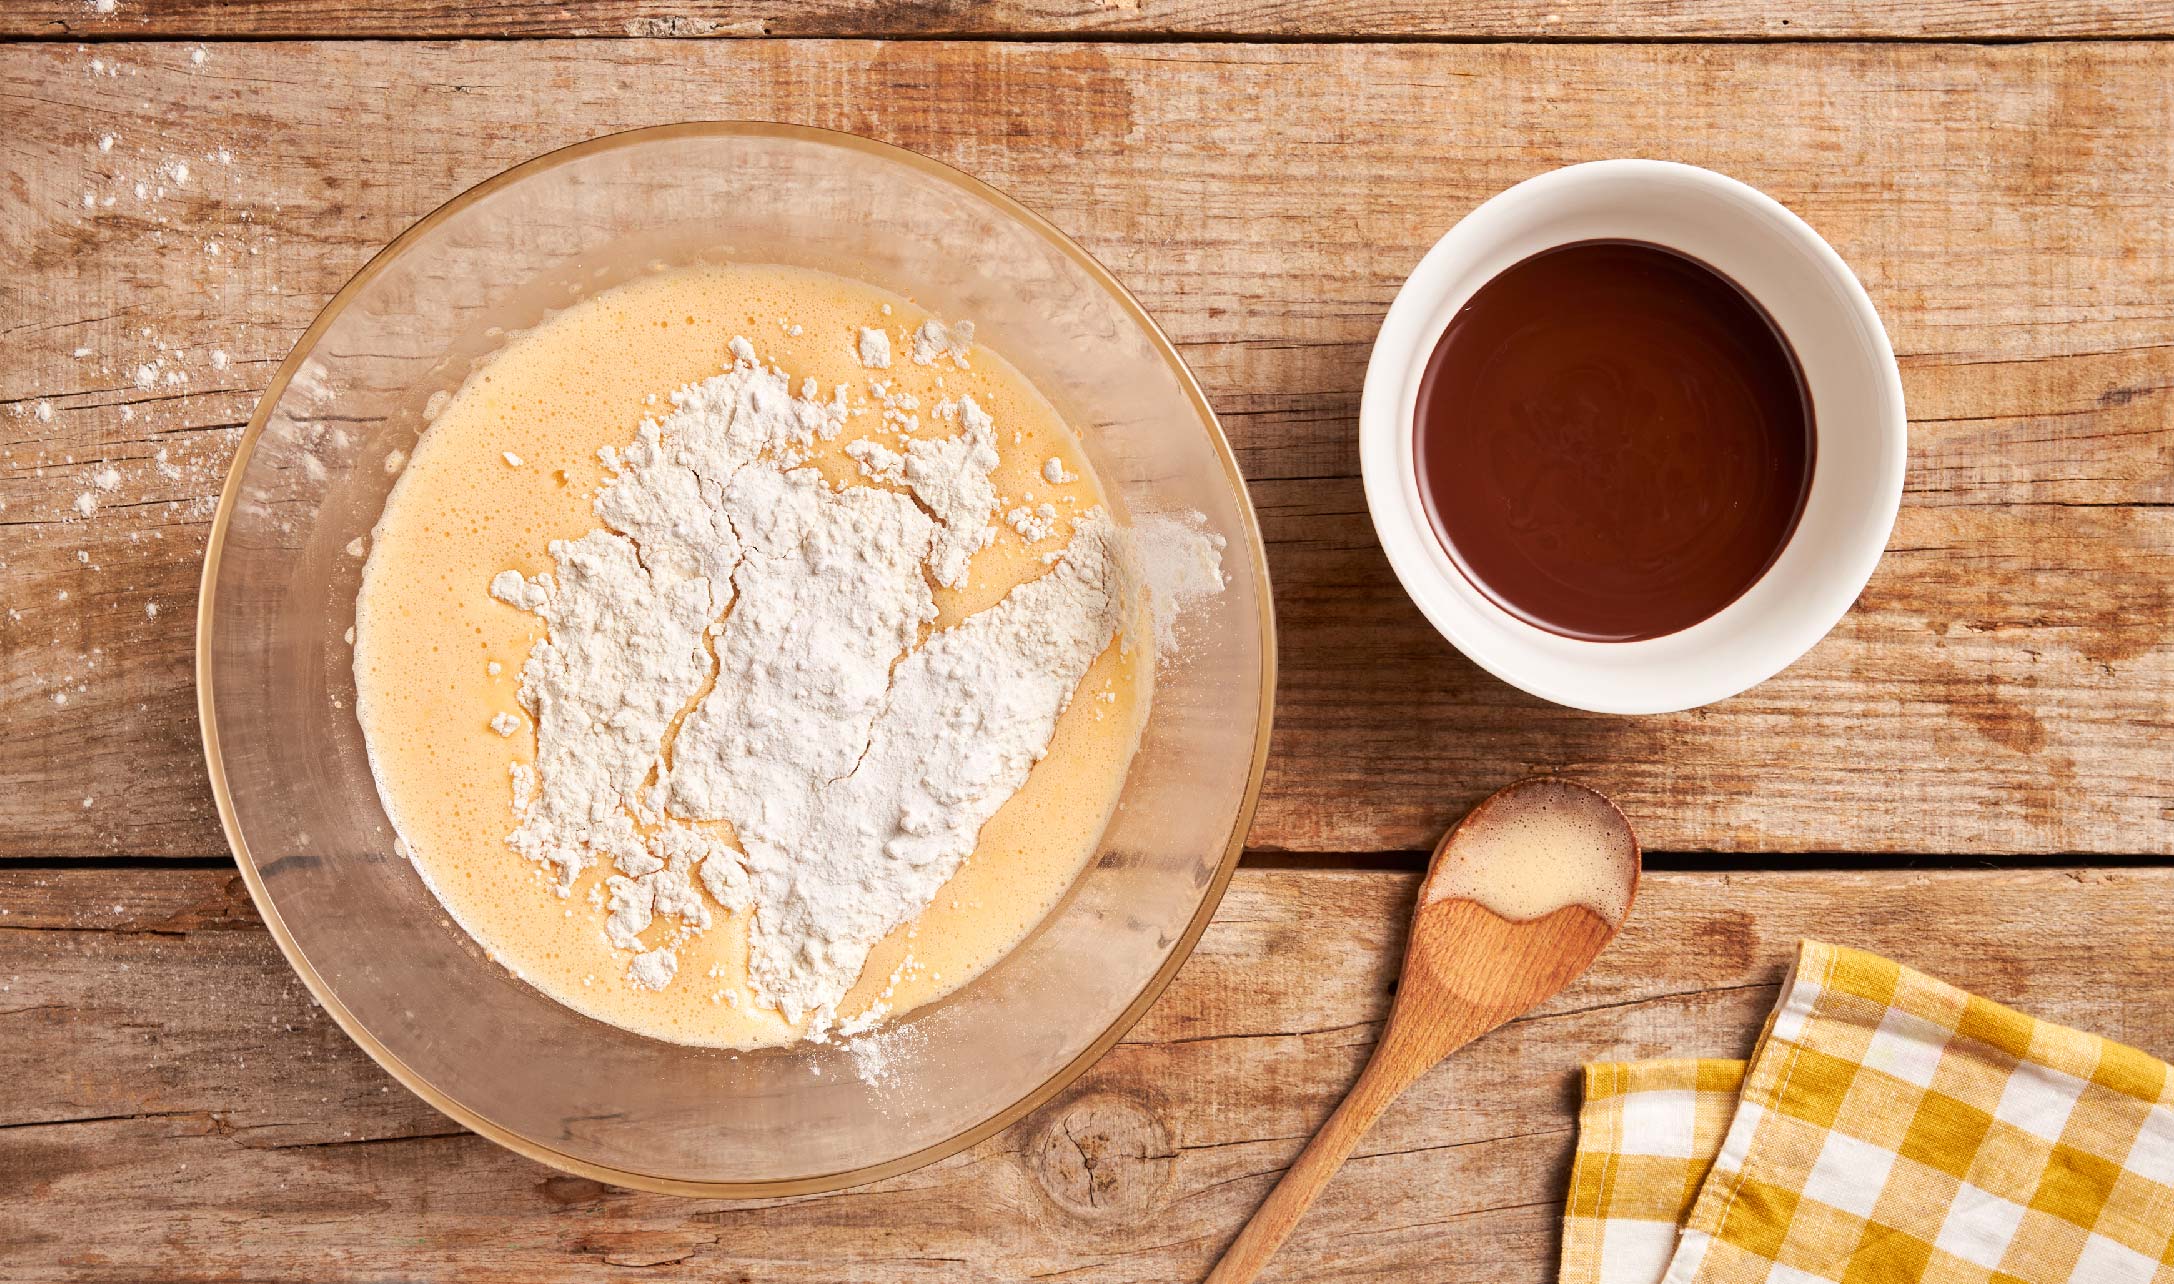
(740, 641)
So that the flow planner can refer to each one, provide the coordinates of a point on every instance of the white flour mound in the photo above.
(1181, 563)
(623, 655)
(855, 768)
(969, 715)
(951, 476)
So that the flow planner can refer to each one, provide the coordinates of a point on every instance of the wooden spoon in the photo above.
(1519, 899)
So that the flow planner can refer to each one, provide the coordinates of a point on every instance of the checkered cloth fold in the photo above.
(1889, 1128)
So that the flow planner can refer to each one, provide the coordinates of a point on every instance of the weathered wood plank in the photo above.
(172, 1106)
(1336, 19)
(2007, 684)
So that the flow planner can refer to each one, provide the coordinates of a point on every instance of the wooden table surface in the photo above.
(1974, 773)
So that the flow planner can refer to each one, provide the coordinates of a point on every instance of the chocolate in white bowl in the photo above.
(1849, 374)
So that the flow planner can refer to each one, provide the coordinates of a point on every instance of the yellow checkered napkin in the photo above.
(1889, 1128)
(1647, 1137)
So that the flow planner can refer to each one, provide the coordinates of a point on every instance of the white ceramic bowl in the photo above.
(1856, 392)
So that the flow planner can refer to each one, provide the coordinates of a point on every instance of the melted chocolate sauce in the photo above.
(1614, 440)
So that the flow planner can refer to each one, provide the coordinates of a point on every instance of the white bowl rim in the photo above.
(1478, 627)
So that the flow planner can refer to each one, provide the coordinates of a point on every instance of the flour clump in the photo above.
(874, 349)
(950, 476)
(1034, 523)
(935, 341)
(740, 703)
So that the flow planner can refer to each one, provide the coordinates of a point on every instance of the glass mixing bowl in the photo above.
(276, 688)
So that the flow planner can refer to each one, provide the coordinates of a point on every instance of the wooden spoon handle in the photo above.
(1384, 1077)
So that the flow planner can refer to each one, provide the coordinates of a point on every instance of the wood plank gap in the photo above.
(1833, 862)
(1740, 862)
(1071, 38)
(55, 864)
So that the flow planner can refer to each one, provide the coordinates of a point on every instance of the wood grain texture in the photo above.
(172, 1106)
(1279, 20)
(2005, 685)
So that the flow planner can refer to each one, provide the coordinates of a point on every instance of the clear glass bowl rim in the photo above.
(1212, 895)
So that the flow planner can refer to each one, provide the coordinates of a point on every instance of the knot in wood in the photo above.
(1102, 1156)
